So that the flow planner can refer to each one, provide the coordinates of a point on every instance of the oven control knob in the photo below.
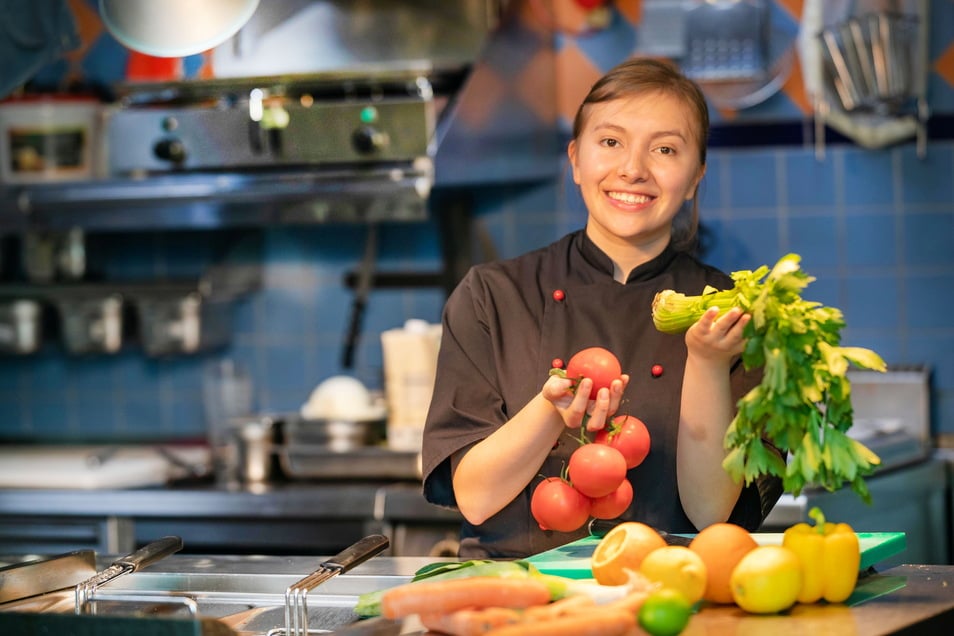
(170, 149)
(368, 140)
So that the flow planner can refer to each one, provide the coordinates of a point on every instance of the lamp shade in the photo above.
(174, 28)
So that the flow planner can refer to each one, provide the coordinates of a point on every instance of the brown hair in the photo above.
(645, 75)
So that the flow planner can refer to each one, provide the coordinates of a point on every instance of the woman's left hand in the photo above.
(718, 338)
(576, 409)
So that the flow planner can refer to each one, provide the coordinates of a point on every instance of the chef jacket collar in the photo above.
(598, 259)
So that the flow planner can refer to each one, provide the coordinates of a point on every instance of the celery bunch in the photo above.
(803, 404)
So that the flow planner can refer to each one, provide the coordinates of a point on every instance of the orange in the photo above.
(721, 546)
(767, 580)
(676, 567)
(623, 549)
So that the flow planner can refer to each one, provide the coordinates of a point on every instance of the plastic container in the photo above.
(49, 139)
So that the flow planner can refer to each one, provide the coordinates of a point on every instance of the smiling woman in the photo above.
(498, 413)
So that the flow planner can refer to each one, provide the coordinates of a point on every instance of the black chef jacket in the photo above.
(502, 328)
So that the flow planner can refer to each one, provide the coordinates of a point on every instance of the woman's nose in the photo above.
(632, 167)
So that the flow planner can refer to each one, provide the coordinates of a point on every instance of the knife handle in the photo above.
(150, 553)
(601, 527)
(358, 553)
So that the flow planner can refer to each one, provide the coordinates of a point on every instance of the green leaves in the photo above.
(803, 404)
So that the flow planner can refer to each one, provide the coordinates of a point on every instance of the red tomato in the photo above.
(556, 505)
(614, 504)
(596, 469)
(595, 363)
(628, 435)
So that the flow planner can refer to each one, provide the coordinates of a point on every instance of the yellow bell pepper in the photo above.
(830, 554)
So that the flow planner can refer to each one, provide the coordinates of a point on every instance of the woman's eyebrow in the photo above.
(607, 126)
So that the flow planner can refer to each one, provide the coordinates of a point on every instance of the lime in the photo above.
(665, 612)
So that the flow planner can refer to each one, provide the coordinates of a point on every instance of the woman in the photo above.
(498, 422)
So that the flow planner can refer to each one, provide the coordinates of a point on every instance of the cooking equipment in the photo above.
(174, 324)
(734, 53)
(91, 324)
(143, 557)
(21, 326)
(573, 559)
(49, 139)
(67, 594)
(296, 596)
(39, 576)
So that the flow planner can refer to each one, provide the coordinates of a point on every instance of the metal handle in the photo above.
(150, 553)
(358, 553)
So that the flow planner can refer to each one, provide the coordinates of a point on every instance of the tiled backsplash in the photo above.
(876, 228)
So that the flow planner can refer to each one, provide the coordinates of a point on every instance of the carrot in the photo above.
(471, 622)
(597, 622)
(444, 597)
(559, 608)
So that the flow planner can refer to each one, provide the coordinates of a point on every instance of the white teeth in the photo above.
(626, 197)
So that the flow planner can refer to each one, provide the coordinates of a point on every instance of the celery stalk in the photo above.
(802, 405)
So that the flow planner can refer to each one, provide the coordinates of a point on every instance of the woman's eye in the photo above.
(609, 142)
(666, 150)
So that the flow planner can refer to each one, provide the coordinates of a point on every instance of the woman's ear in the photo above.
(695, 186)
(571, 153)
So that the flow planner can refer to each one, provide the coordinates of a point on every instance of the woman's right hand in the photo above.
(574, 408)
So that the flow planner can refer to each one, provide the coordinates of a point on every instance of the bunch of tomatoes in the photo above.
(594, 483)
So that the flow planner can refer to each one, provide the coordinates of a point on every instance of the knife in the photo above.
(600, 527)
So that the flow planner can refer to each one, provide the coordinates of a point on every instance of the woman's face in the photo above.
(636, 162)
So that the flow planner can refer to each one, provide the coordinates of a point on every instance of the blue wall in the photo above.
(875, 227)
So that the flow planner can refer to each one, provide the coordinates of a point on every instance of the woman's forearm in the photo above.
(492, 473)
(706, 491)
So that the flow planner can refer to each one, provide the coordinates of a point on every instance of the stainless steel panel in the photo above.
(360, 131)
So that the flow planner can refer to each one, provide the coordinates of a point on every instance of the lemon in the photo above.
(622, 550)
(767, 580)
(677, 567)
(665, 612)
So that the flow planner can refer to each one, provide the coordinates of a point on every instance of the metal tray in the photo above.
(371, 462)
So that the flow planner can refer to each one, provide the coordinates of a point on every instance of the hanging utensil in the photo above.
(361, 290)
(143, 557)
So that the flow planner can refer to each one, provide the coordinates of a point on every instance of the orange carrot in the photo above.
(559, 608)
(471, 622)
(444, 597)
(597, 622)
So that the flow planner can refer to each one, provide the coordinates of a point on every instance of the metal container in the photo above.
(91, 325)
(182, 324)
(336, 435)
(21, 326)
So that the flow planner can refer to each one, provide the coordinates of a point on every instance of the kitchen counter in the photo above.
(307, 517)
(902, 599)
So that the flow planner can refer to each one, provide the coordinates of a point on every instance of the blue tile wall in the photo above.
(874, 227)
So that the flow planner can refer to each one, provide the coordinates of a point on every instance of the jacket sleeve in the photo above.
(466, 405)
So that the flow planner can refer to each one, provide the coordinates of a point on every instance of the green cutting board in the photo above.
(573, 559)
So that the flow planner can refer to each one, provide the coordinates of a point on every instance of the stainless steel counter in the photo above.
(285, 518)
